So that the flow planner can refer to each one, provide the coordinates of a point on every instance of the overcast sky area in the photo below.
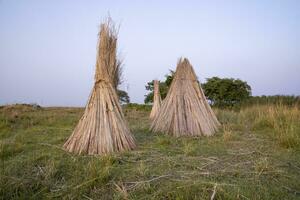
(48, 48)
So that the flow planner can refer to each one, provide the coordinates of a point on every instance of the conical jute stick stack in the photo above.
(102, 128)
(185, 111)
(156, 100)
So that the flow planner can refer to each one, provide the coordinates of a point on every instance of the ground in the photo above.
(242, 161)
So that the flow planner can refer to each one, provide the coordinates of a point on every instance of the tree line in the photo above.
(224, 92)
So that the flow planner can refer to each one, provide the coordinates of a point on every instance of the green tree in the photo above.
(163, 87)
(226, 91)
(123, 96)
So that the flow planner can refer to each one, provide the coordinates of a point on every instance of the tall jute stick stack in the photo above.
(185, 111)
(102, 128)
(156, 100)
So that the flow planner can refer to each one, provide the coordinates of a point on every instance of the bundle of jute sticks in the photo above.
(156, 100)
(102, 129)
(185, 110)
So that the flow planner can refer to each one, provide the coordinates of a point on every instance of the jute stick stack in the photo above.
(156, 100)
(185, 111)
(102, 128)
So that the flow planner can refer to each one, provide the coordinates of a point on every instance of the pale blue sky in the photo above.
(48, 48)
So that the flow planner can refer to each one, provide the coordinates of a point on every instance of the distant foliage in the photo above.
(224, 92)
(285, 100)
(123, 96)
(139, 107)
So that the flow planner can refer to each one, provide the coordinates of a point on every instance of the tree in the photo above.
(226, 91)
(163, 87)
(123, 96)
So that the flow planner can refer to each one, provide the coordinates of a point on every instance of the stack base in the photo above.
(102, 128)
(198, 119)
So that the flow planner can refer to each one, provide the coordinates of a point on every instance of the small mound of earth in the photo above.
(21, 107)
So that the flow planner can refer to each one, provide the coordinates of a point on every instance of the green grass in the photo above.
(250, 158)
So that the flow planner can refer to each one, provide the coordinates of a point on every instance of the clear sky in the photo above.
(48, 48)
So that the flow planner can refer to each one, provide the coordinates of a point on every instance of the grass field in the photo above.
(256, 155)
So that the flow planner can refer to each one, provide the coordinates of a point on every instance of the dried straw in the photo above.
(156, 100)
(185, 111)
(102, 128)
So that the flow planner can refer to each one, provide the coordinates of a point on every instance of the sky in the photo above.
(48, 48)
